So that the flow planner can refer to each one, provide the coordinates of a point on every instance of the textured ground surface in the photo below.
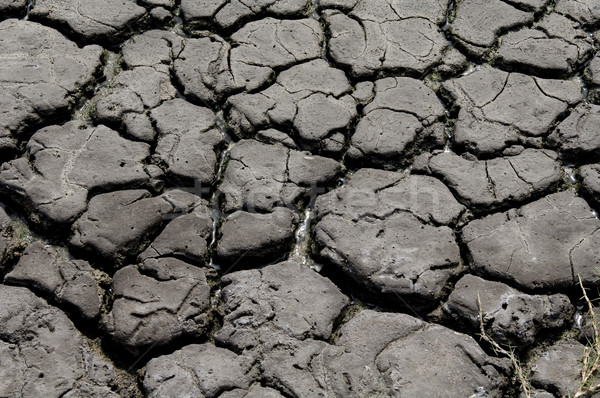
(296, 198)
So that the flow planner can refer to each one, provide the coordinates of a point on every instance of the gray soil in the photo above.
(296, 198)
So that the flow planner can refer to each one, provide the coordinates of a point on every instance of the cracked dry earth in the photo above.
(295, 198)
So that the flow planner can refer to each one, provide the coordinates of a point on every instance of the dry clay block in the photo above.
(42, 74)
(377, 354)
(389, 232)
(540, 246)
(43, 354)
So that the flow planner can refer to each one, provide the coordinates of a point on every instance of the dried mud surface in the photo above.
(296, 199)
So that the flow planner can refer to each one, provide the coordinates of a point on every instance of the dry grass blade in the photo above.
(591, 354)
(499, 349)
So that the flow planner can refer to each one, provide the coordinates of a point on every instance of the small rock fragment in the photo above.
(273, 136)
(161, 16)
(453, 63)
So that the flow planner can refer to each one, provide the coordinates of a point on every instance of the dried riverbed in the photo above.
(296, 198)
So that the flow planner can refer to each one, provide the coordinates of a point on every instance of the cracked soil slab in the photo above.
(542, 245)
